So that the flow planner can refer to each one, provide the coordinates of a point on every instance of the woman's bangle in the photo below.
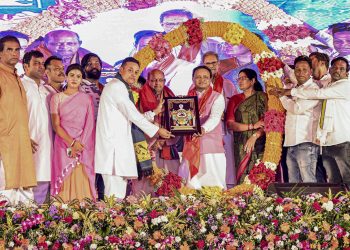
(250, 126)
(71, 145)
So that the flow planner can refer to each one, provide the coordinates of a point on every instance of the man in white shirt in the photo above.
(114, 152)
(334, 129)
(300, 127)
(203, 157)
(39, 121)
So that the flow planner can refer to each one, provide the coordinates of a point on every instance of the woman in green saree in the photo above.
(244, 116)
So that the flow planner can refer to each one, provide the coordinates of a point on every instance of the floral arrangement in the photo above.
(164, 182)
(262, 174)
(287, 33)
(274, 121)
(269, 65)
(160, 46)
(200, 219)
(234, 34)
(194, 31)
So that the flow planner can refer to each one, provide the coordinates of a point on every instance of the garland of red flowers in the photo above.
(169, 184)
(140, 4)
(160, 46)
(287, 33)
(194, 31)
(269, 64)
(261, 175)
(274, 121)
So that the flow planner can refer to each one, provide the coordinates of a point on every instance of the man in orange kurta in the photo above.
(17, 172)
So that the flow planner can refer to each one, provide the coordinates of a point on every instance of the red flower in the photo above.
(316, 206)
(3, 203)
(294, 236)
(279, 200)
(2, 213)
(274, 121)
(261, 176)
(275, 223)
(68, 219)
(194, 31)
(56, 246)
(201, 244)
(153, 214)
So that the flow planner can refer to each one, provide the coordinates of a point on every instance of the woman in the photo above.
(244, 116)
(72, 115)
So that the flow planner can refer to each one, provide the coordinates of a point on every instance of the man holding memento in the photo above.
(204, 160)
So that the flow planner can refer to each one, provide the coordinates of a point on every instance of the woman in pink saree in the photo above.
(73, 175)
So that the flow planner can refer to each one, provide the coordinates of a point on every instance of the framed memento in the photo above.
(182, 115)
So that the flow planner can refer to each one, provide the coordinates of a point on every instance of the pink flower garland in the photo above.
(269, 64)
(274, 121)
(287, 33)
(161, 47)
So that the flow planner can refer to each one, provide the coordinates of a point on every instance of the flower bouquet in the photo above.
(165, 182)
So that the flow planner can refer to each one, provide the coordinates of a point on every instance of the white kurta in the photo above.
(212, 168)
(40, 128)
(114, 151)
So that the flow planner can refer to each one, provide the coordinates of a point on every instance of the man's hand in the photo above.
(165, 133)
(159, 107)
(200, 133)
(34, 146)
(278, 92)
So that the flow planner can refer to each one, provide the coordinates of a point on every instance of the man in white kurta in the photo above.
(40, 128)
(212, 160)
(114, 152)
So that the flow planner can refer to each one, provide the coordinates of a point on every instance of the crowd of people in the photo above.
(63, 133)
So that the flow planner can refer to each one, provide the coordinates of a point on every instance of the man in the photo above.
(227, 89)
(334, 130)
(92, 65)
(300, 127)
(172, 19)
(204, 161)
(54, 70)
(116, 140)
(17, 172)
(152, 95)
(341, 39)
(40, 128)
(320, 65)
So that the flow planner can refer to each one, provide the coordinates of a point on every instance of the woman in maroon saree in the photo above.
(73, 175)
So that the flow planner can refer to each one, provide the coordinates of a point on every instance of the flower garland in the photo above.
(160, 46)
(287, 33)
(270, 68)
(134, 5)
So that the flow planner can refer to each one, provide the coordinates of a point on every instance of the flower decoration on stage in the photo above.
(269, 65)
(140, 4)
(287, 33)
(165, 182)
(194, 31)
(274, 121)
(160, 46)
(234, 34)
(262, 174)
(72, 12)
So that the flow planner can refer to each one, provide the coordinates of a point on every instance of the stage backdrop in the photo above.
(116, 29)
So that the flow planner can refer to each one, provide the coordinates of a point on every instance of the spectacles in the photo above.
(172, 24)
(158, 80)
(211, 63)
(68, 44)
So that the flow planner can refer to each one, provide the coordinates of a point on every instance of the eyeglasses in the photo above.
(157, 80)
(211, 63)
(68, 44)
(242, 78)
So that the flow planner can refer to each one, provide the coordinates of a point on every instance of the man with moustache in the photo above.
(92, 65)
(320, 66)
(40, 128)
(121, 146)
(333, 130)
(54, 70)
(17, 171)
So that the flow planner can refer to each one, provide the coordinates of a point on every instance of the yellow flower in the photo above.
(212, 192)
(234, 34)
(346, 217)
(136, 96)
(187, 191)
(76, 216)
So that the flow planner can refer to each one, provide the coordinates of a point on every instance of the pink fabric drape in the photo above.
(77, 119)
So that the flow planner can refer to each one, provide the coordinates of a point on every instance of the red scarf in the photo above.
(218, 83)
(191, 150)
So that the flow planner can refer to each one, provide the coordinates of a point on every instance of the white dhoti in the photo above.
(14, 196)
(115, 185)
(212, 171)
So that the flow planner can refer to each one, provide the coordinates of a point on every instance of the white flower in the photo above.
(213, 228)
(279, 208)
(269, 209)
(328, 205)
(297, 230)
(247, 180)
(219, 216)
(143, 234)
(177, 239)
(11, 244)
(294, 247)
(271, 165)
(253, 218)
(49, 243)
(137, 244)
(258, 235)
(316, 229)
(93, 246)
(183, 197)
(203, 230)
(163, 218)
(157, 245)
(279, 243)
(280, 215)
(138, 211)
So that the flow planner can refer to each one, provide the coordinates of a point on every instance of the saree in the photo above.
(248, 111)
(76, 114)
